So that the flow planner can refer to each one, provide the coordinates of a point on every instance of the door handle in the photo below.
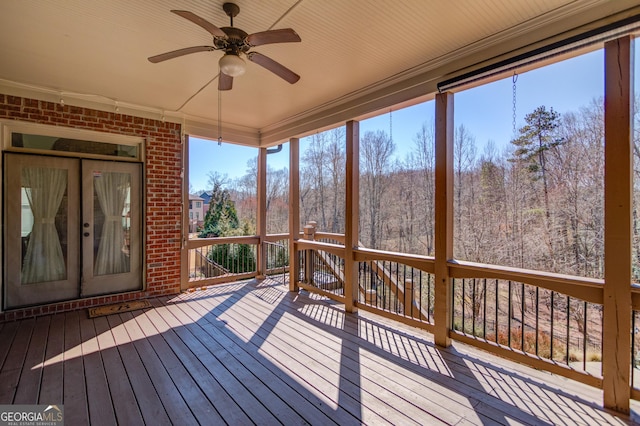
(86, 225)
(86, 234)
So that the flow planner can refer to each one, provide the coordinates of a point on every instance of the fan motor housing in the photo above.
(234, 41)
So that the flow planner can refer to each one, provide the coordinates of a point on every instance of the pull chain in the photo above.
(390, 126)
(219, 117)
(515, 79)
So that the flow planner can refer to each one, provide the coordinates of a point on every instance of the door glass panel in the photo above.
(111, 207)
(41, 261)
(43, 224)
(111, 227)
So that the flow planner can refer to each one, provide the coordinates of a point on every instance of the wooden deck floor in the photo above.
(248, 353)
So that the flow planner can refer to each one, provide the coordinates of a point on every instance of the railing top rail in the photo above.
(459, 269)
(336, 249)
(202, 242)
(425, 263)
(276, 237)
(330, 235)
(273, 243)
(587, 289)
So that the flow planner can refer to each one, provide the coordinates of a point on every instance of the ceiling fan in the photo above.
(236, 43)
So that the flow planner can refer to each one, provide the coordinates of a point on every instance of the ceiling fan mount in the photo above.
(232, 10)
(236, 43)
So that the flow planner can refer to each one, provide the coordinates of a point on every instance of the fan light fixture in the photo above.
(232, 65)
(236, 45)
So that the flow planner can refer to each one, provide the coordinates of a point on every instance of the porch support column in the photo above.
(261, 216)
(618, 204)
(294, 212)
(351, 214)
(443, 217)
(184, 250)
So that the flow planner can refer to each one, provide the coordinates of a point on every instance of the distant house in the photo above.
(206, 198)
(196, 212)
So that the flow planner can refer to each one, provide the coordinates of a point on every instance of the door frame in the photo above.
(8, 127)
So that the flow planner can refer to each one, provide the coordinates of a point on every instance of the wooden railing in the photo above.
(546, 320)
(224, 259)
(563, 338)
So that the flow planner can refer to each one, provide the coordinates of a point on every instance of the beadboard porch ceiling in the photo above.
(356, 57)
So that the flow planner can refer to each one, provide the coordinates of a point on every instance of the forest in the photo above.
(537, 203)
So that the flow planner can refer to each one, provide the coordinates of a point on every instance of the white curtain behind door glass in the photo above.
(112, 190)
(44, 260)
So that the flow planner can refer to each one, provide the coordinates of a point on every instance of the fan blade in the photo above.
(212, 29)
(285, 35)
(180, 52)
(273, 66)
(225, 82)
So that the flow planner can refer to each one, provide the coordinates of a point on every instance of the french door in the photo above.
(72, 228)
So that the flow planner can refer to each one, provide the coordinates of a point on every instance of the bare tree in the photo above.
(375, 153)
(422, 160)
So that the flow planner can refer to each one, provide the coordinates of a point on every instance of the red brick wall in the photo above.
(162, 191)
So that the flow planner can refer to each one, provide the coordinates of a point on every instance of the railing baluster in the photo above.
(464, 302)
(484, 309)
(568, 327)
(453, 304)
(473, 308)
(522, 306)
(429, 295)
(509, 307)
(552, 312)
(537, 316)
(497, 329)
(633, 347)
(584, 338)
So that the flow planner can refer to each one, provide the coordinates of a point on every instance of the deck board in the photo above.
(142, 388)
(280, 384)
(10, 374)
(447, 412)
(73, 362)
(176, 408)
(222, 362)
(228, 409)
(7, 334)
(254, 353)
(51, 392)
(187, 386)
(378, 375)
(29, 385)
(101, 410)
(335, 365)
(228, 389)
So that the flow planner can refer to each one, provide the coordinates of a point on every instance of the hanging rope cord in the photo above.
(219, 117)
(390, 126)
(514, 99)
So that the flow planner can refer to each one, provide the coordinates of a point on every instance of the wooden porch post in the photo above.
(444, 217)
(618, 205)
(351, 215)
(294, 211)
(261, 216)
(184, 251)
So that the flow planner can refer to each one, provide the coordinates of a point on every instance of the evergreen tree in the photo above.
(221, 218)
(536, 138)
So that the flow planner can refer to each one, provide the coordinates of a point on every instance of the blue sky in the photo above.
(486, 111)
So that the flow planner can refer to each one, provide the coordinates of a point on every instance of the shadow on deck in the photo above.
(252, 352)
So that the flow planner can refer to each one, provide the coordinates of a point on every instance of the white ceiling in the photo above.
(356, 56)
